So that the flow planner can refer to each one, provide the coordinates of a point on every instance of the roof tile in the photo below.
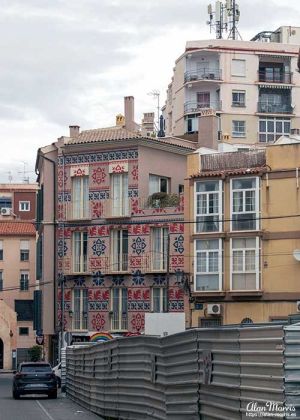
(14, 228)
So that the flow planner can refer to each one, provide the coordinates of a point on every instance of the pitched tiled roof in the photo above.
(229, 172)
(121, 133)
(103, 134)
(17, 228)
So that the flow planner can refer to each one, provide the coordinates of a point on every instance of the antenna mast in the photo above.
(224, 18)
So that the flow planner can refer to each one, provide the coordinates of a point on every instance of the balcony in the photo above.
(160, 200)
(117, 208)
(205, 74)
(190, 107)
(271, 108)
(146, 263)
(281, 78)
(77, 211)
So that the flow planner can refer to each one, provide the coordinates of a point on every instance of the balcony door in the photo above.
(203, 99)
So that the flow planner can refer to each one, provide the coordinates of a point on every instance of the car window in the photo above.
(36, 368)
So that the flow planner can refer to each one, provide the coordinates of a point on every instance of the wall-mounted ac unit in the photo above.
(214, 309)
(298, 305)
(5, 211)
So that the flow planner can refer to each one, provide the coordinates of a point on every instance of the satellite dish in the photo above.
(296, 254)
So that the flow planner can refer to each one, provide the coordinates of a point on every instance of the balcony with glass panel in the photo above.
(194, 106)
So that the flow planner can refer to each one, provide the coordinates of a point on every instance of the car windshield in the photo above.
(36, 368)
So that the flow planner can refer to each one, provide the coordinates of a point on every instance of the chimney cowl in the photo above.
(74, 130)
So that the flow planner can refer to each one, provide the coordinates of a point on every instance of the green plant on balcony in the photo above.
(162, 199)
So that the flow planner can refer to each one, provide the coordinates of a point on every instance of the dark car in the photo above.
(35, 378)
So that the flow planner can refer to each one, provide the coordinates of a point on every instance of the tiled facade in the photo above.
(118, 236)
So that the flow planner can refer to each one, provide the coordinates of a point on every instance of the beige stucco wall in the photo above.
(279, 278)
(8, 325)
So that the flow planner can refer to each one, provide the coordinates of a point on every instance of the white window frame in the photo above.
(157, 179)
(235, 72)
(119, 195)
(83, 304)
(119, 322)
(24, 281)
(24, 205)
(80, 207)
(220, 206)
(275, 134)
(159, 255)
(24, 247)
(257, 264)
(82, 258)
(236, 131)
(119, 259)
(220, 264)
(257, 203)
(163, 299)
(239, 103)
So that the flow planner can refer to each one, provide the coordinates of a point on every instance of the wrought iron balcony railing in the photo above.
(198, 106)
(270, 108)
(204, 74)
(285, 77)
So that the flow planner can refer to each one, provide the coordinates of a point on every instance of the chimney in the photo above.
(74, 130)
(129, 113)
(120, 120)
(208, 129)
(295, 131)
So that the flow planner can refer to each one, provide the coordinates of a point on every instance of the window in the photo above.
(208, 206)
(80, 309)
(119, 305)
(245, 264)
(238, 128)
(208, 265)
(80, 240)
(245, 203)
(24, 250)
(180, 189)
(238, 68)
(24, 310)
(80, 197)
(270, 129)
(158, 184)
(23, 331)
(191, 124)
(120, 202)
(5, 202)
(203, 99)
(1, 281)
(210, 322)
(24, 205)
(159, 249)
(159, 301)
(1, 250)
(24, 280)
(119, 242)
(239, 98)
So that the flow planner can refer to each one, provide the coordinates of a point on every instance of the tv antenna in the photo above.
(156, 94)
(25, 178)
(224, 18)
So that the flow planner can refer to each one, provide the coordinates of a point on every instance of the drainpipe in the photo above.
(53, 163)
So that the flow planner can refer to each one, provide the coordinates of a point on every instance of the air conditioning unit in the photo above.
(298, 305)
(213, 309)
(5, 211)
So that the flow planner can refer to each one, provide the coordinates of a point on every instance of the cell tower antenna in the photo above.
(224, 18)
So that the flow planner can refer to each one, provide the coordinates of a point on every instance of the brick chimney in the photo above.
(129, 113)
(208, 129)
(74, 130)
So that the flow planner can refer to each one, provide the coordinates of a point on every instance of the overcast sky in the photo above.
(72, 61)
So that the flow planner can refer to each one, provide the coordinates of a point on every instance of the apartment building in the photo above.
(17, 271)
(244, 240)
(252, 86)
(118, 242)
(17, 283)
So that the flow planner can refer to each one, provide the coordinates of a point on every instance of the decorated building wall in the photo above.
(99, 278)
